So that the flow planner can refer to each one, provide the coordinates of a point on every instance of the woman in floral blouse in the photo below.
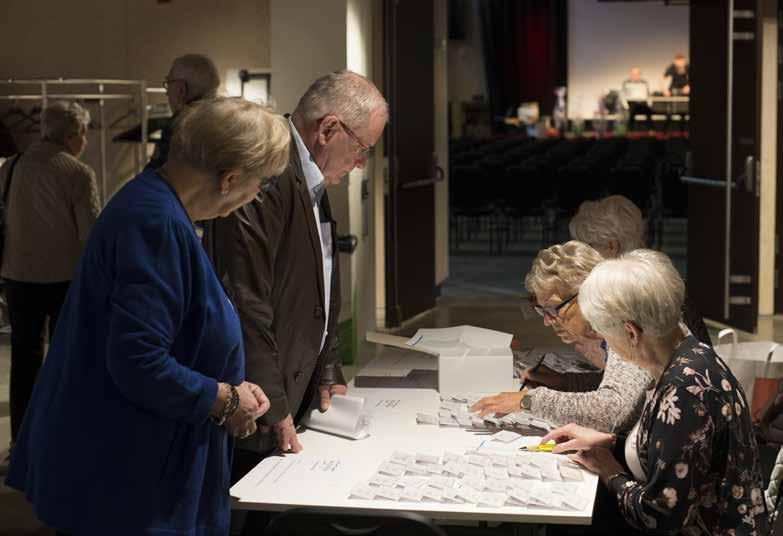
(691, 465)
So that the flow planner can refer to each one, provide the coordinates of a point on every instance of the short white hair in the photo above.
(348, 95)
(62, 119)
(612, 218)
(200, 75)
(642, 287)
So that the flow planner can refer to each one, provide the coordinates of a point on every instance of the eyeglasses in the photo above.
(553, 311)
(366, 151)
(167, 82)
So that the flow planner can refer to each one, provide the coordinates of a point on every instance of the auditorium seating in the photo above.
(500, 187)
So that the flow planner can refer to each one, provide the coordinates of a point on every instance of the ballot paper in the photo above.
(494, 499)
(363, 491)
(345, 417)
(426, 418)
(506, 436)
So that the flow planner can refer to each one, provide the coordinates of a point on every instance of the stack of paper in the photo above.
(345, 417)
(477, 477)
(462, 341)
(453, 413)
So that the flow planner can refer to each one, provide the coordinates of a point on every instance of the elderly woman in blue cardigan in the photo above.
(131, 423)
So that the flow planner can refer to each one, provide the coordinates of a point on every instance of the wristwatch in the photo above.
(526, 402)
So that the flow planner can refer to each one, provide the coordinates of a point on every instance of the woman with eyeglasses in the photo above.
(608, 401)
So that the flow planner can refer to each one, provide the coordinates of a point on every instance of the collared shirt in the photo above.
(315, 182)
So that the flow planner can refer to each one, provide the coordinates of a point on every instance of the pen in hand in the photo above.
(535, 368)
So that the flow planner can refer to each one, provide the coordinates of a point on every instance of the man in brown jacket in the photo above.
(277, 258)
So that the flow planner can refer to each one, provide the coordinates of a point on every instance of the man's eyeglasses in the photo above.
(168, 81)
(366, 151)
(553, 311)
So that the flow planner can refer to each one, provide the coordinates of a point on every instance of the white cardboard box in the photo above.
(470, 359)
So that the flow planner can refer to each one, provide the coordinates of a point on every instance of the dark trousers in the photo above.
(30, 306)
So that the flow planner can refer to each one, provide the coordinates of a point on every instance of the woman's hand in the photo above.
(574, 437)
(500, 403)
(252, 404)
(600, 461)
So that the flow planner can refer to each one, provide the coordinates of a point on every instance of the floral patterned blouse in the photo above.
(697, 447)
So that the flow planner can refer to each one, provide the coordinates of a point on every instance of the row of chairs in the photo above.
(498, 186)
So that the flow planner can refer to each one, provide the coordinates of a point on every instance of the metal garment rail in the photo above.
(41, 89)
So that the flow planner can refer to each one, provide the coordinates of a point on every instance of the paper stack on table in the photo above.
(453, 413)
(345, 417)
(477, 477)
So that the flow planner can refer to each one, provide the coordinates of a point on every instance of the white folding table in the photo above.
(329, 467)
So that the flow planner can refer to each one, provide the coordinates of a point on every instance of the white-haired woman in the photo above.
(52, 202)
(610, 400)
(691, 464)
(118, 437)
(613, 226)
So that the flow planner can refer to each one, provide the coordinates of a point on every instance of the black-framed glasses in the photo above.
(553, 311)
(366, 151)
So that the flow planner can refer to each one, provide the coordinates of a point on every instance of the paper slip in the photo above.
(444, 413)
(442, 482)
(453, 468)
(454, 398)
(529, 472)
(451, 457)
(384, 480)
(500, 473)
(501, 460)
(432, 494)
(474, 481)
(493, 484)
(411, 494)
(520, 496)
(492, 420)
(551, 474)
(403, 458)
(448, 423)
(514, 470)
(506, 436)
(345, 417)
(469, 469)
(452, 495)
(545, 497)
(409, 481)
(457, 407)
(571, 474)
(427, 458)
(494, 499)
(363, 491)
(416, 469)
(575, 501)
(435, 469)
(478, 422)
(481, 461)
(469, 495)
(391, 494)
(424, 418)
(391, 469)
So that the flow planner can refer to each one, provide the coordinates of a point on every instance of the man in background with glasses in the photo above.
(277, 257)
(192, 77)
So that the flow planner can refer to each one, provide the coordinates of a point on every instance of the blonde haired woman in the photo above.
(610, 400)
(131, 425)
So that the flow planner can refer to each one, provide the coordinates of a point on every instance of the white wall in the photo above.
(126, 39)
(606, 39)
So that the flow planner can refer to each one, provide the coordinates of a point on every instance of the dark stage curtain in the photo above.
(525, 51)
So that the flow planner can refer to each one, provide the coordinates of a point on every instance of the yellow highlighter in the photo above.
(539, 448)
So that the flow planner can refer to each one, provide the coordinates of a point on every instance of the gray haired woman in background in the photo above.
(614, 226)
(51, 205)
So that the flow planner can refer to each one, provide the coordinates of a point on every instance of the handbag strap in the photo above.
(10, 177)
